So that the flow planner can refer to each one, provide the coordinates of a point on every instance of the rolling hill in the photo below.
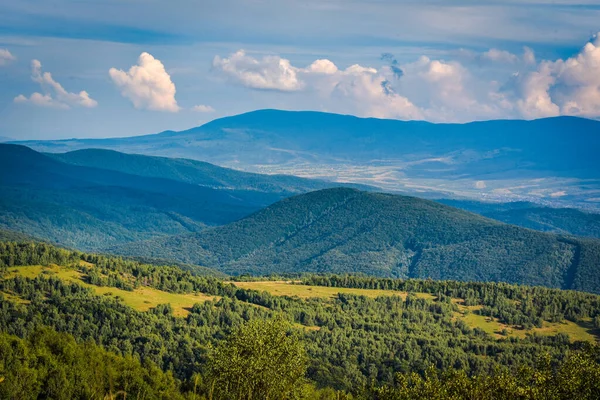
(546, 219)
(193, 172)
(553, 159)
(349, 231)
(90, 208)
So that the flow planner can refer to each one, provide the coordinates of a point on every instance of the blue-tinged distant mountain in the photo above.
(553, 159)
(92, 199)
(89, 208)
(194, 172)
(532, 216)
(350, 231)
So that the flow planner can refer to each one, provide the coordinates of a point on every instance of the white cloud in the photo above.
(203, 108)
(500, 56)
(269, 73)
(508, 86)
(370, 93)
(535, 101)
(480, 185)
(323, 67)
(55, 95)
(563, 87)
(6, 57)
(147, 85)
(577, 87)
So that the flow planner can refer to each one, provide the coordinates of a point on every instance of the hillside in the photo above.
(349, 231)
(553, 159)
(90, 208)
(546, 219)
(192, 172)
(82, 325)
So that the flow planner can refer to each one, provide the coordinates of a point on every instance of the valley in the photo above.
(536, 161)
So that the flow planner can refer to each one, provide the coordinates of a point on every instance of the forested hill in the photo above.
(546, 156)
(346, 230)
(193, 172)
(547, 219)
(91, 208)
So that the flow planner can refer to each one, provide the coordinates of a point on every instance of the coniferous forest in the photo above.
(62, 339)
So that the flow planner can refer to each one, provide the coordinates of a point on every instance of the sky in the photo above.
(112, 68)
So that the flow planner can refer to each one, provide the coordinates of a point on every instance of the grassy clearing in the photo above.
(576, 331)
(141, 299)
(470, 315)
(280, 288)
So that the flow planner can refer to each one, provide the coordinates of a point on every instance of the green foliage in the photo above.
(514, 305)
(50, 365)
(260, 360)
(94, 208)
(575, 377)
(532, 216)
(348, 231)
(352, 342)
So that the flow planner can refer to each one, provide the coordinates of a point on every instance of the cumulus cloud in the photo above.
(577, 85)
(562, 87)
(323, 67)
(457, 89)
(268, 73)
(147, 85)
(201, 108)
(371, 93)
(6, 57)
(535, 101)
(54, 95)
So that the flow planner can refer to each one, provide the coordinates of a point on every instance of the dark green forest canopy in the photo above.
(533, 216)
(352, 341)
(349, 231)
(91, 208)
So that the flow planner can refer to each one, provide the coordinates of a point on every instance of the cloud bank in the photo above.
(147, 85)
(54, 96)
(452, 90)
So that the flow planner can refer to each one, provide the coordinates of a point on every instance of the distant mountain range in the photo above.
(350, 231)
(550, 160)
(196, 213)
(532, 216)
(93, 199)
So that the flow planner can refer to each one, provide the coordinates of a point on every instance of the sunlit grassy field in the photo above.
(142, 299)
(581, 331)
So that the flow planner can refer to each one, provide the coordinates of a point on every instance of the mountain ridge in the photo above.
(349, 231)
(552, 159)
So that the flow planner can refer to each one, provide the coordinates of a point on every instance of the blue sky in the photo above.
(126, 67)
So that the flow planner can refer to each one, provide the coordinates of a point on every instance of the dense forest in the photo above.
(533, 216)
(91, 208)
(94, 199)
(409, 345)
(345, 230)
